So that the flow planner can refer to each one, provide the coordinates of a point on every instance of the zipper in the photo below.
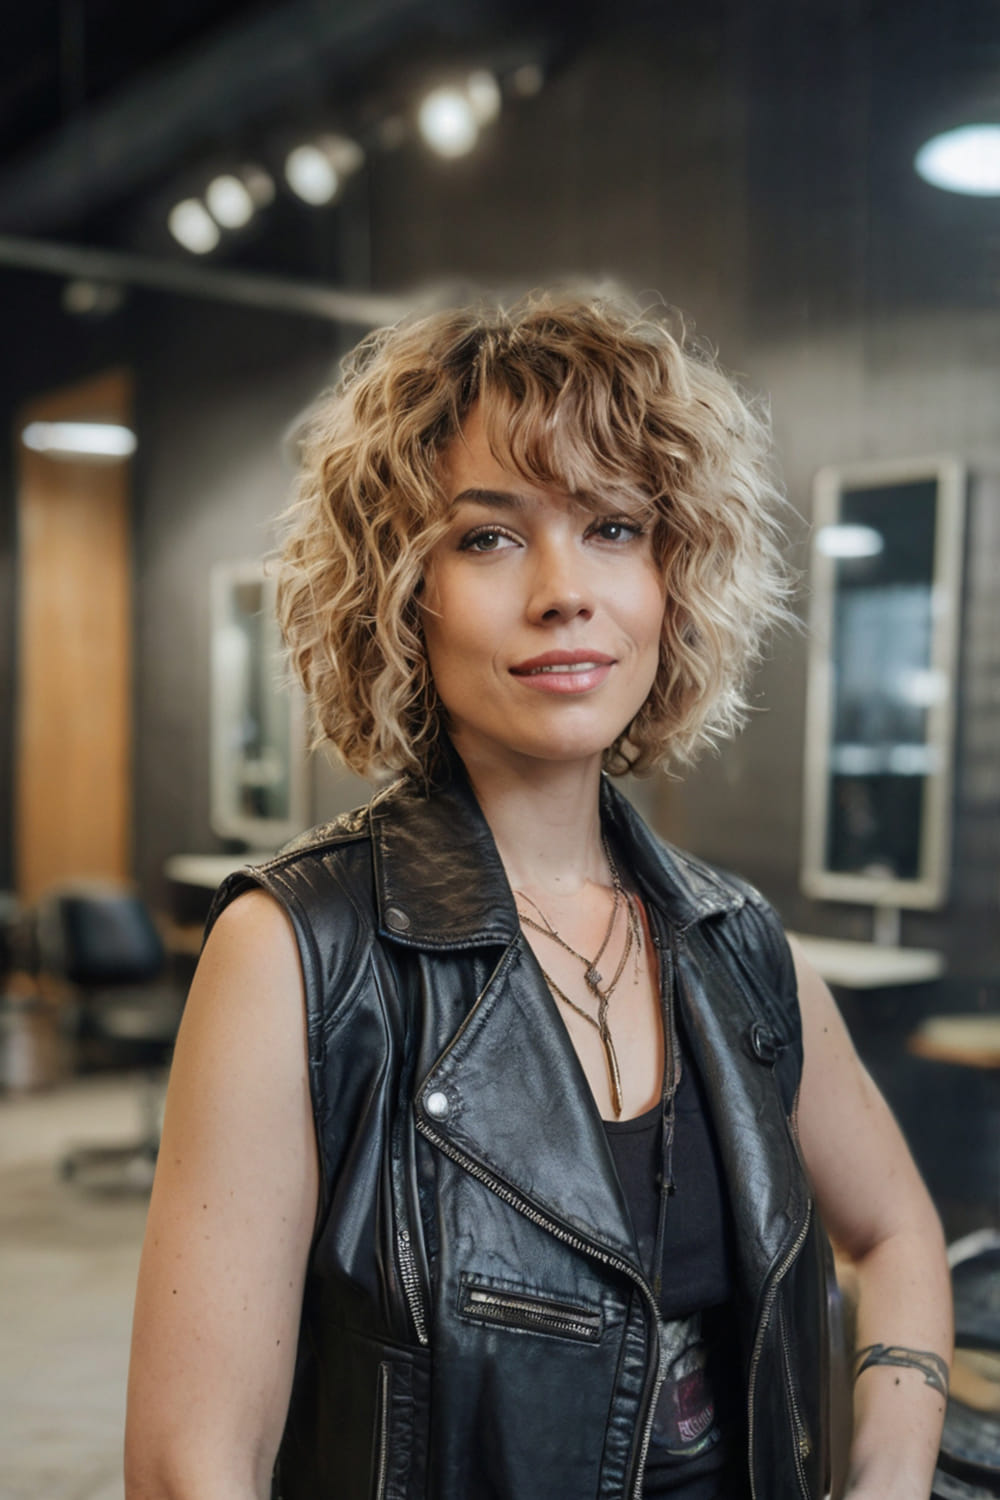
(382, 1468)
(666, 965)
(576, 1242)
(410, 1278)
(803, 1447)
(758, 1345)
(532, 1313)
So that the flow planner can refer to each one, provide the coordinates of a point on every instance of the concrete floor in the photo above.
(68, 1262)
(69, 1253)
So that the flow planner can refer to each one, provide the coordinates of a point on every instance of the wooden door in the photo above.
(74, 725)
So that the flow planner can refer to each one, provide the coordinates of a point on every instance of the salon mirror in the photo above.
(886, 585)
(257, 720)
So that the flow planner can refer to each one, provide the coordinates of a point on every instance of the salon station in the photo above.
(198, 218)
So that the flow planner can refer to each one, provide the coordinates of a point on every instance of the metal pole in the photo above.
(269, 293)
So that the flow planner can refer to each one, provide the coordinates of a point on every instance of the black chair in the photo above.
(969, 1461)
(100, 941)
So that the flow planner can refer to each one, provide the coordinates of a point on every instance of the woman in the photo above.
(499, 1134)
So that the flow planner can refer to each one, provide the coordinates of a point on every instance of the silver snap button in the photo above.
(397, 918)
(437, 1104)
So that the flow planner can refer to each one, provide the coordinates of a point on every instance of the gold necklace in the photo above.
(592, 975)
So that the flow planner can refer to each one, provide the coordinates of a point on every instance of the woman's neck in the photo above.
(545, 819)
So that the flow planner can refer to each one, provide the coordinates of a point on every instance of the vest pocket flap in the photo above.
(528, 1312)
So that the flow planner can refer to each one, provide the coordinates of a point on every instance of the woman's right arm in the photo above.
(230, 1223)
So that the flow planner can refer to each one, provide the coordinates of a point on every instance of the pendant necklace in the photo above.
(592, 975)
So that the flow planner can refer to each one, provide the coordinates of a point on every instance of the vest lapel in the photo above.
(733, 1053)
(509, 1096)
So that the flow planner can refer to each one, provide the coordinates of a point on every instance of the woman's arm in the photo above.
(882, 1222)
(230, 1222)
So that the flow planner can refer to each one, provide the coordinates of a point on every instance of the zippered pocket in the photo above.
(528, 1313)
(382, 1411)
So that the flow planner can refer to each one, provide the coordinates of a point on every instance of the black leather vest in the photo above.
(476, 1323)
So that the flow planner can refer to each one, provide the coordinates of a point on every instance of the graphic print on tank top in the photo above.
(685, 1422)
(695, 1426)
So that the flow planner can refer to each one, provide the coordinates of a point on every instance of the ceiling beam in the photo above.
(267, 293)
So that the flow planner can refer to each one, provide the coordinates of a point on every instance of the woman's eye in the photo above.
(486, 539)
(616, 529)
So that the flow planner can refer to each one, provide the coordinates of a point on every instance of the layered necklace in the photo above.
(602, 992)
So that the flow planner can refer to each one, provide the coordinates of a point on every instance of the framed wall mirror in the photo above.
(886, 578)
(257, 720)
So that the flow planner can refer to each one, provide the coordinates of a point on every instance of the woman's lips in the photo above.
(564, 671)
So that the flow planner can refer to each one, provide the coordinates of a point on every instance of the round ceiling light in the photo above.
(964, 160)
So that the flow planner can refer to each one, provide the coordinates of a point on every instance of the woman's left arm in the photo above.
(882, 1222)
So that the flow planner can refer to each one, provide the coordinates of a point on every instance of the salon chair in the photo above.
(969, 1461)
(120, 1011)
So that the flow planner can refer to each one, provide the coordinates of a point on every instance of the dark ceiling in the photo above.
(109, 111)
(102, 100)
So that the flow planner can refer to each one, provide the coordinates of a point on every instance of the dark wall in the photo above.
(708, 168)
(217, 392)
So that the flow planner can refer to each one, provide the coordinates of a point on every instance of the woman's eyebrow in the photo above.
(498, 499)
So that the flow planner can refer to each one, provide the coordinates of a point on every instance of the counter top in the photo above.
(869, 966)
(209, 870)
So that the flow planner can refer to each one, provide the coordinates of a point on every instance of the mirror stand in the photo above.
(886, 926)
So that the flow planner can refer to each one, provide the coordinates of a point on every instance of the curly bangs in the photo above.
(589, 394)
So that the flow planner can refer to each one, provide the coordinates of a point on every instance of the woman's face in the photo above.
(542, 619)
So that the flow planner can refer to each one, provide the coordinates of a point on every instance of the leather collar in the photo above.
(440, 883)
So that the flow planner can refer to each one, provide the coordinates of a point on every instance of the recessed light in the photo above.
(79, 439)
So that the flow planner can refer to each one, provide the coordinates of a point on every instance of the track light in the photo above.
(317, 170)
(192, 226)
(234, 197)
(527, 80)
(964, 160)
(229, 201)
(483, 94)
(450, 117)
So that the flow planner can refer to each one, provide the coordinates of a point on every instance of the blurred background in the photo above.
(202, 207)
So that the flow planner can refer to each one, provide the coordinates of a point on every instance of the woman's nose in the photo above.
(560, 586)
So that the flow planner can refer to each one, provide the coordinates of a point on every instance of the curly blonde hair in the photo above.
(587, 393)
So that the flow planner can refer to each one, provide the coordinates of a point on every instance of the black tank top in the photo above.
(697, 1451)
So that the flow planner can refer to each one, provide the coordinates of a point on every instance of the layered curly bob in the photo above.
(589, 394)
